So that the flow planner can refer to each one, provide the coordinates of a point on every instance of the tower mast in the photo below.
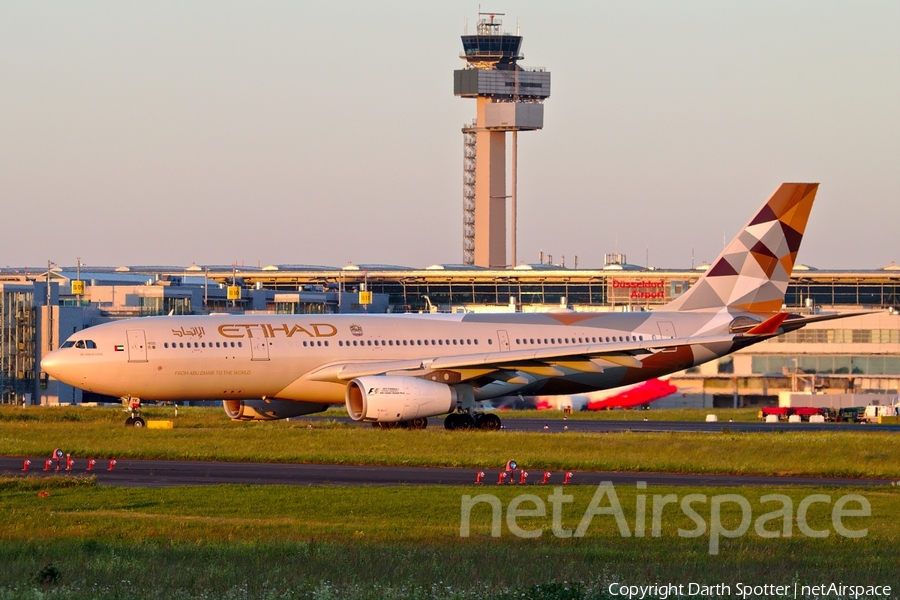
(508, 97)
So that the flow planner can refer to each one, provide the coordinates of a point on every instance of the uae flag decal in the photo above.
(120, 347)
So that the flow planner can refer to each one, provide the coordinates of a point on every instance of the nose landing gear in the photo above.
(134, 407)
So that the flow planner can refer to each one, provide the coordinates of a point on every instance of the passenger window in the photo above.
(240, 344)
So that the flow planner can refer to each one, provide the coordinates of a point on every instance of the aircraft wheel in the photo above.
(129, 421)
(420, 423)
(465, 421)
(450, 422)
(139, 422)
(488, 422)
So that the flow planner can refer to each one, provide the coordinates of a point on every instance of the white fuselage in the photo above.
(300, 357)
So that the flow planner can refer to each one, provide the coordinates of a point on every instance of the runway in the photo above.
(163, 473)
(559, 425)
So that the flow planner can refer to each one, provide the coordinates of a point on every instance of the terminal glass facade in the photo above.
(17, 351)
(826, 365)
(152, 307)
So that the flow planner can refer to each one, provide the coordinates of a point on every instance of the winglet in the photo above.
(770, 325)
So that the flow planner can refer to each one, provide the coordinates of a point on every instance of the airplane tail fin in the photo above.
(752, 273)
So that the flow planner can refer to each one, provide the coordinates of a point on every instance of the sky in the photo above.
(257, 133)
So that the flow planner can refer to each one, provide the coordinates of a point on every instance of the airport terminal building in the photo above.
(861, 354)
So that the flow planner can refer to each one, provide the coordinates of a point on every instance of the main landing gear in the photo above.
(420, 423)
(463, 420)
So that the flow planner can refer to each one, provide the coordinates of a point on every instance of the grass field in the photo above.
(84, 541)
(206, 434)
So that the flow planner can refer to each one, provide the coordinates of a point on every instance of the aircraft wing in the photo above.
(548, 362)
(792, 322)
(540, 361)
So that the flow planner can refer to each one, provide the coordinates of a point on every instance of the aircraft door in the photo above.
(259, 346)
(503, 338)
(137, 345)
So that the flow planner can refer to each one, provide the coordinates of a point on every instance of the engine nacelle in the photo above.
(268, 410)
(388, 399)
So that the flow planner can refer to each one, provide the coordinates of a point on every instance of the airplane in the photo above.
(627, 396)
(401, 369)
(630, 397)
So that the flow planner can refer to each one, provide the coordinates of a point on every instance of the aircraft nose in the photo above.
(56, 365)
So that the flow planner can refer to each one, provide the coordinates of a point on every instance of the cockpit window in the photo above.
(80, 344)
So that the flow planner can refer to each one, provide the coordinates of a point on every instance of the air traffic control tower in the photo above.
(509, 99)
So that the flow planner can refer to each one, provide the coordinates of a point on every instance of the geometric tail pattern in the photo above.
(752, 273)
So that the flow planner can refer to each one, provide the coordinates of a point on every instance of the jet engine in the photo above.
(268, 410)
(389, 399)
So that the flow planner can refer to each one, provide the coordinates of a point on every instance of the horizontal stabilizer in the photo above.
(770, 325)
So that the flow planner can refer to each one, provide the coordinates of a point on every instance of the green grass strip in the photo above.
(206, 434)
(329, 542)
